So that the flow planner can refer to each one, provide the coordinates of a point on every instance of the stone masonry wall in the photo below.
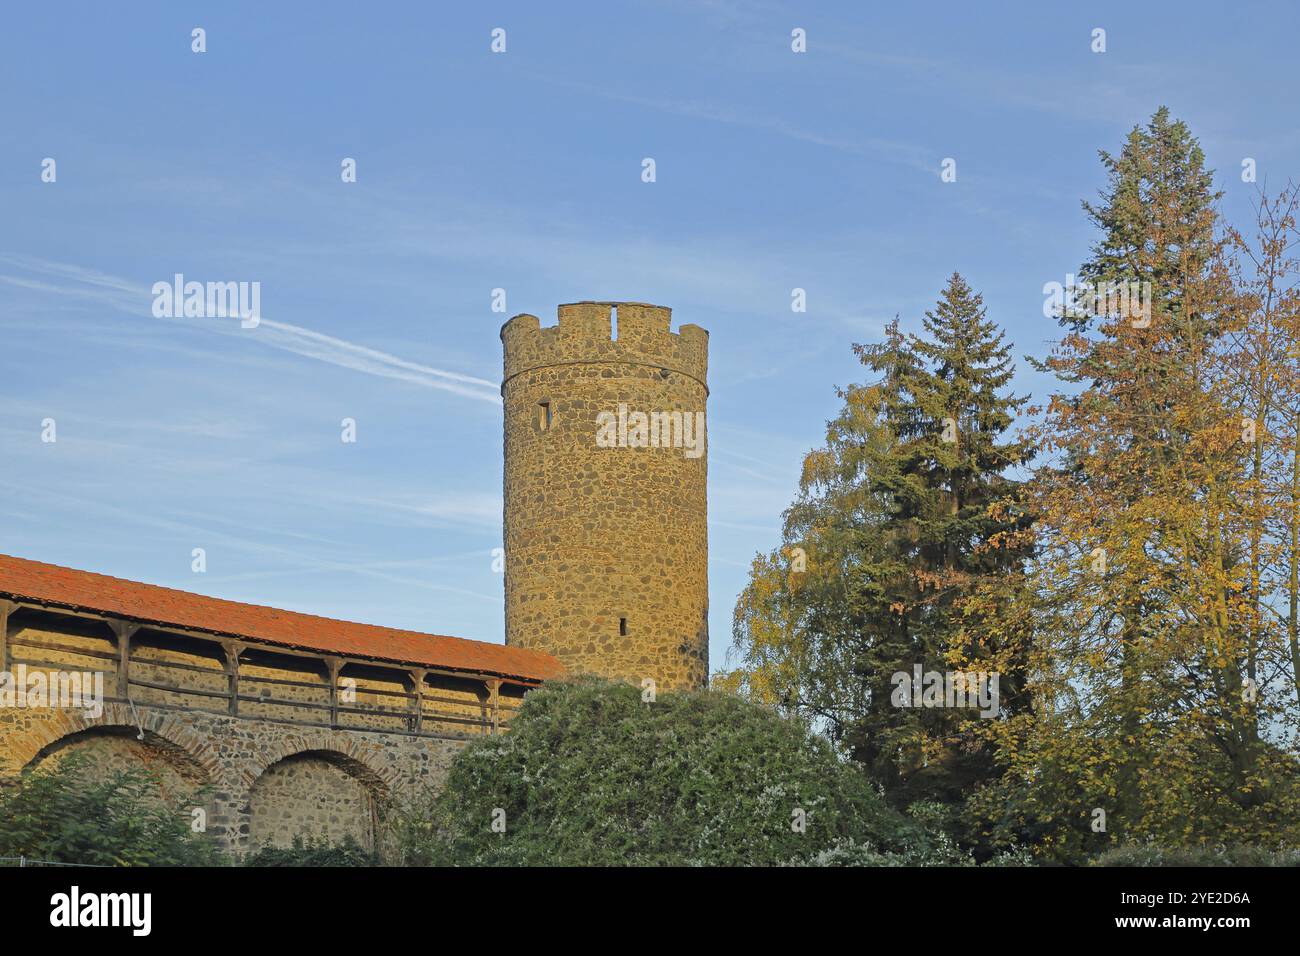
(310, 795)
(263, 776)
(606, 547)
(256, 781)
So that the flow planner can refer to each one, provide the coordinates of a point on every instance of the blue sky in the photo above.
(522, 171)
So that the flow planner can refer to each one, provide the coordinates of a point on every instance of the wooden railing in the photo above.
(410, 716)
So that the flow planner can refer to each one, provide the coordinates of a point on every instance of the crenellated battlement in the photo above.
(586, 334)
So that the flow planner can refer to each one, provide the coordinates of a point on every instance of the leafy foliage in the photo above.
(1144, 856)
(313, 851)
(591, 775)
(1156, 654)
(901, 515)
(70, 814)
(1139, 595)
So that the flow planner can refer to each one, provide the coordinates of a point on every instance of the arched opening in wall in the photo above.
(176, 779)
(316, 794)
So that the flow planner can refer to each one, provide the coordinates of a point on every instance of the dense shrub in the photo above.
(1198, 856)
(309, 851)
(590, 774)
(71, 813)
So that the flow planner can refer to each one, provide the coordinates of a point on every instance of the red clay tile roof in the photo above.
(51, 584)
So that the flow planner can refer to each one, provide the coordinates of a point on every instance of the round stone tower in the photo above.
(606, 535)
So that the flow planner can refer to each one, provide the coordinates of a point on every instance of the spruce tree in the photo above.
(899, 518)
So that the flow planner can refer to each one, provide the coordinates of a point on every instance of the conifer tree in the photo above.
(900, 516)
(1141, 587)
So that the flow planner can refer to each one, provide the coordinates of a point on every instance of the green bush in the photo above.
(1198, 856)
(938, 848)
(70, 813)
(313, 852)
(591, 775)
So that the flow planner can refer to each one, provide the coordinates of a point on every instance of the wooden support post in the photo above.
(417, 704)
(335, 665)
(494, 697)
(5, 608)
(124, 632)
(232, 649)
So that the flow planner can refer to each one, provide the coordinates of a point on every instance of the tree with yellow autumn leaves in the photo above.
(1137, 592)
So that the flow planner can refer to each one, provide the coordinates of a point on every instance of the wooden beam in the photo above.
(5, 608)
(124, 632)
(232, 649)
(64, 648)
(179, 689)
(251, 642)
(417, 702)
(494, 699)
(186, 708)
(335, 665)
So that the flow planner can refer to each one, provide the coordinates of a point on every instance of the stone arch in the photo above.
(199, 748)
(316, 793)
(61, 728)
(112, 748)
(180, 779)
(361, 759)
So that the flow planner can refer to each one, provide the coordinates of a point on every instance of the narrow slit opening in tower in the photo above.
(622, 627)
(613, 323)
(544, 415)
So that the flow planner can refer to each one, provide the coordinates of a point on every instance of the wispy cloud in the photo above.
(907, 154)
(134, 299)
(477, 509)
(360, 358)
